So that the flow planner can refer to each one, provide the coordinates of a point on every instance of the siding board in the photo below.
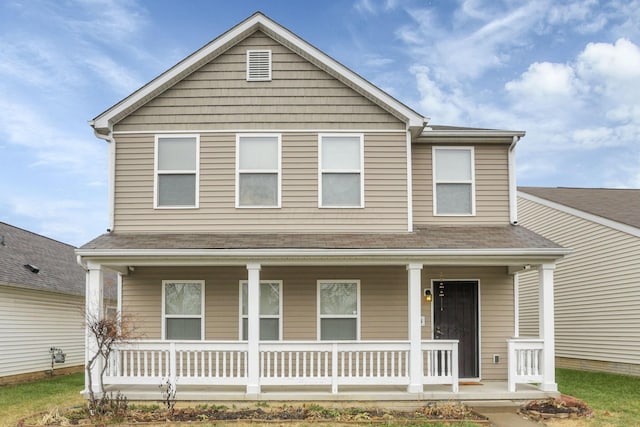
(492, 186)
(605, 263)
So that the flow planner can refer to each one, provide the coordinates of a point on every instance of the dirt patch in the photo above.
(305, 413)
(563, 407)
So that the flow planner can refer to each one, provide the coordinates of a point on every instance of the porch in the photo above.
(339, 370)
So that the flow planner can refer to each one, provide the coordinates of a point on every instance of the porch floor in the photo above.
(477, 392)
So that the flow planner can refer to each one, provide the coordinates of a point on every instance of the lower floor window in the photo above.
(183, 309)
(270, 310)
(339, 309)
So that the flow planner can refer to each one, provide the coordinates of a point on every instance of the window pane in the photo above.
(183, 329)
(341, 152)
(338, 298)
(177, 153)
(341, 189)
(338, 329)
(177, 190)
(258, 152)
(258, 189)
(453, 198)
(269, 299)
(183, 298)
(453, 165)
(269, 329)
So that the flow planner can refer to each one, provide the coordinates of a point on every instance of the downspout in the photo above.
(513, 198)
(112, 169)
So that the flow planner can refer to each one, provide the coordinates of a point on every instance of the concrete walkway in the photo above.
(505, 416)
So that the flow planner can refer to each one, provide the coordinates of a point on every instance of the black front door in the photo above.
(455, 317)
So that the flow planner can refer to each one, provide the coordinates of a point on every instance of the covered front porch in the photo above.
(339, 324)
(311, 371)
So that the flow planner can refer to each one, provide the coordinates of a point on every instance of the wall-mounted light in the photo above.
(427, 295)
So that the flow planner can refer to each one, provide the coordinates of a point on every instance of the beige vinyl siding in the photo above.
(492, 186)
(597, 297)
(31, 322)
(529, 301)
(300, 96)
(384, 189)
(383, 293)
(383, 299)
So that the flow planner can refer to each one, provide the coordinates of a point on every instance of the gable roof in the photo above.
(619, 205)
(257, 22)
(53, 264)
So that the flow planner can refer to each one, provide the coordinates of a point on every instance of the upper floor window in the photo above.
(183, 309)
(270, 310)
(339, 309)
(453, 181)
(176, 175)
(258, 65)
(258, 171)
(341, 171)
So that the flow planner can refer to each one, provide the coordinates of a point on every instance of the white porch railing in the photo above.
(525, 361)
(294, 363)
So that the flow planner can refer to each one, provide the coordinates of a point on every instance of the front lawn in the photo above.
(20, 400)
(615, 399)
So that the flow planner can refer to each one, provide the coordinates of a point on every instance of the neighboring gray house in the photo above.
(597, 286)
(42, 291)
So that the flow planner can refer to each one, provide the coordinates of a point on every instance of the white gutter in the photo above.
(293, 252)
(513, 186)
(112, 170)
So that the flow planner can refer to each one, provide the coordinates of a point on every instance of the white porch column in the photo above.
(414, 305)
(547, 325)
(94, 311)
(253, 335)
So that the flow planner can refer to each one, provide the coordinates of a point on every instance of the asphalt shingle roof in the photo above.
(58, 270)
(425, 237)
(621, 205)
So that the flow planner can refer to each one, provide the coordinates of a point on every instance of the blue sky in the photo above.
(567, 72)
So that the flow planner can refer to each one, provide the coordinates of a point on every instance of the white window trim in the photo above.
(321, 170)
(336, 316)
(166, 316)
(472, 181)
(156, 172)
(277, 171)
(265, 316)
(267, 79)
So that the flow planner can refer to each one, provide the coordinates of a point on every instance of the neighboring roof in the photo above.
(53, 264)
(423, 238)
(620, 205)
(256, 22)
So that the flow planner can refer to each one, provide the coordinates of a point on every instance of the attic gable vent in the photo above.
(258, 65)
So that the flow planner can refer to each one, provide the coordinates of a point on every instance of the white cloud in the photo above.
(373, 7)
(49, 145)
(544, 79)
(617, 63)
(118, 76)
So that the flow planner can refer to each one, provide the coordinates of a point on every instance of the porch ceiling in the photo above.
(453, 245)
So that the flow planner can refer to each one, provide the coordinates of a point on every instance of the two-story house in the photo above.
(286, 229)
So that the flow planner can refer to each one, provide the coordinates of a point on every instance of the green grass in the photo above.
(21, 400)
(615, 399)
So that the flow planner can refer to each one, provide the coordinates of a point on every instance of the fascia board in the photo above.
(471, 133)
(337, 69)
(261, 22)
(395, 256)
(102, 121)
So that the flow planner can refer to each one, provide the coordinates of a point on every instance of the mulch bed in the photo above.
(563, 407)
(309, 413)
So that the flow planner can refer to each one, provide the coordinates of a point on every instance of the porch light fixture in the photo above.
(427, 295)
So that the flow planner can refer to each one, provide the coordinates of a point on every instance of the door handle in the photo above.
(438, 333)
